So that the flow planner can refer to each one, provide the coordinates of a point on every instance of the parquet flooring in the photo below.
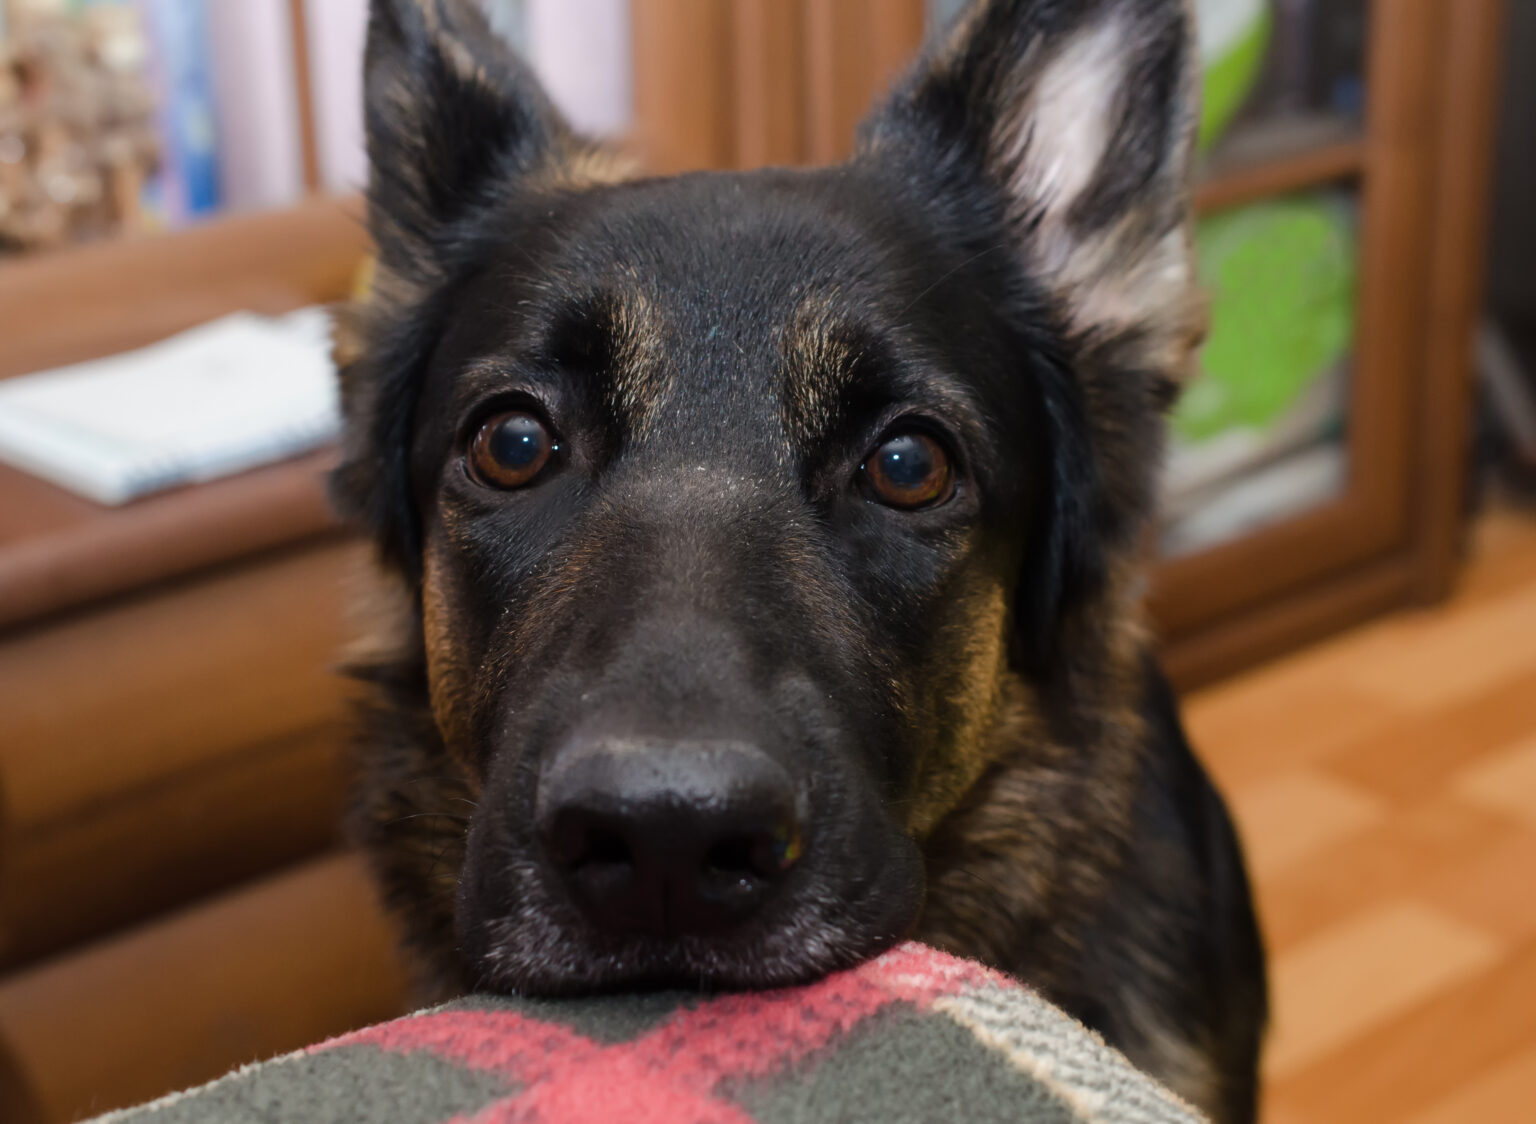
(1385, 787)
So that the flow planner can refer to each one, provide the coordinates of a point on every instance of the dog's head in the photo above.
(734, 508)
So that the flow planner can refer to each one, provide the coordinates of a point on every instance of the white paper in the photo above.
(237, 392)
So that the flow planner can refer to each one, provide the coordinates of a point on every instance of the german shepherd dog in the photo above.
(763, 548)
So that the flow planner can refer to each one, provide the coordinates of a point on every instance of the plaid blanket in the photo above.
(913, 1036)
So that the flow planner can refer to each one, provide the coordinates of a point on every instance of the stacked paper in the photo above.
(228, 395)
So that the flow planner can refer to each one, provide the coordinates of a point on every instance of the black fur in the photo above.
(985, 754)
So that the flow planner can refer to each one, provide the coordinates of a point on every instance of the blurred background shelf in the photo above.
(1271, 158)
(86, 301)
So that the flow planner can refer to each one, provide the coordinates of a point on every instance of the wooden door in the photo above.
(747, 83)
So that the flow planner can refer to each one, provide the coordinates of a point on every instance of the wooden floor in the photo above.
(1385, 785)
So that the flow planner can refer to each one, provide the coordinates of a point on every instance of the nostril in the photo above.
(732, 857)
(577, 842)
(762, 855)
(605, 847)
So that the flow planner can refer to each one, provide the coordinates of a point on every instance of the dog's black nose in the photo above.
(668, 839)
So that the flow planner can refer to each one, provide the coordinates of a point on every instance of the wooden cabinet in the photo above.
(168, 745)
(264, 969)
(172, 730)
(1393, 536)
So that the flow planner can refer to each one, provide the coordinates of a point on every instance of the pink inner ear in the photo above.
(1050, 150)
(1055, 141)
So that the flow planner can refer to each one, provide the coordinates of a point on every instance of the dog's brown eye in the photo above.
(510, 450)
(910, 470)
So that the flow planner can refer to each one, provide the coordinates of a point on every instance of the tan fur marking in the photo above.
(379, 612)
(585, 166)
(642, 380)
(817, 362)
(453, 49)
(349, 341)
(447, 677)
(975, 679)
(1030, 840)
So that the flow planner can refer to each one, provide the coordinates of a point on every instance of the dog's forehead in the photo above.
(714, 244)
(723, 299)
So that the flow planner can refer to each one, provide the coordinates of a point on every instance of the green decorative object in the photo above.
(1234, 36)
(1282, 279)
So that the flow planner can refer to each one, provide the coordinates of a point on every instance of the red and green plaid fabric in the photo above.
(912, 1036)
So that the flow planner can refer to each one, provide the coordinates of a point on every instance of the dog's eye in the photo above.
(510, 450)
(910, 470)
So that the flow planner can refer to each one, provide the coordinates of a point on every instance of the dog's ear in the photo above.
(1065, 130)
(451, 113)
(455, 123)
(1080, 119)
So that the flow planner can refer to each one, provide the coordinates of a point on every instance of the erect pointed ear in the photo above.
(450, 111)
(456, 124)
(1079, 118)
(1066, 128)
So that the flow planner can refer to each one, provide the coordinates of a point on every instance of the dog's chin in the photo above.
(540, 948)
(515, 960)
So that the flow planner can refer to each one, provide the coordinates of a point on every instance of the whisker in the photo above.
(972, 874)
(428, 815)
(968, 261)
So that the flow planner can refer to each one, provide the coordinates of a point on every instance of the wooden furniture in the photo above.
(171, 727)
(171, 898)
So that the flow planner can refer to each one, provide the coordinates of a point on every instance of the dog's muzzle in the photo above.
(669, 839)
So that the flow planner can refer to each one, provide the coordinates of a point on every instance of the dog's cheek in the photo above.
(445, 629)
(958, 705)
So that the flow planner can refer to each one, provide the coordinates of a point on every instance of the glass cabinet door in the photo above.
(1289, 457)
(1261, 435)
